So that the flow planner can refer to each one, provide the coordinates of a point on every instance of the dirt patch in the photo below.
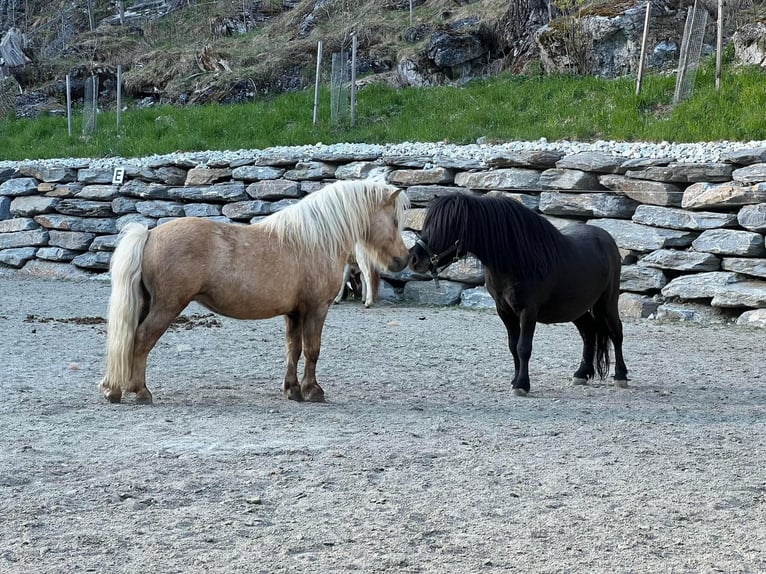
(420, 461)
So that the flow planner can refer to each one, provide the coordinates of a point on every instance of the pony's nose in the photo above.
(399, 263)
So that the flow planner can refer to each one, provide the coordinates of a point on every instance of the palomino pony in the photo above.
(290, 264)
(535, 273)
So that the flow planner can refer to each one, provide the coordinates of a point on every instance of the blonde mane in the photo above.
(333, 219)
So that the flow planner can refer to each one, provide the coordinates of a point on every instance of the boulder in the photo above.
(750, 44)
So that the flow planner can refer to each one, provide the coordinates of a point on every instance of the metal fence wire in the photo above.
(90, 106)
(691, 49)
(340, 88)
(9, 90)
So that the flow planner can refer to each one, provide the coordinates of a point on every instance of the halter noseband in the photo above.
(434, 258)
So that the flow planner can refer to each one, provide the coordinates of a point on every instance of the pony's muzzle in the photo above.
(398, 263)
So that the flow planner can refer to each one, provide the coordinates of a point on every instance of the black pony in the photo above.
(535, 273)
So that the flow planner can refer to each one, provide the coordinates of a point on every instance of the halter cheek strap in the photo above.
(435, 257)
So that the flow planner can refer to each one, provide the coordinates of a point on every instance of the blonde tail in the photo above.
(124, 308)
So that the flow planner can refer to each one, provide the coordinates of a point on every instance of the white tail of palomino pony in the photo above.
(124, 308)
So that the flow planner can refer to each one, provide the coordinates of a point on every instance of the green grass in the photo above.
(500, 109)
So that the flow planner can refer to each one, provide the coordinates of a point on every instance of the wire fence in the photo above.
(691, 50)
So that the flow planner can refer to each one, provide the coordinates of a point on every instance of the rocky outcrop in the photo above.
(750, 44)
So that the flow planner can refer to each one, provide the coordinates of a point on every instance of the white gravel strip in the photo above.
(702, 152)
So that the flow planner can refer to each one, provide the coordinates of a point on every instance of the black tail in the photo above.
(602, 349)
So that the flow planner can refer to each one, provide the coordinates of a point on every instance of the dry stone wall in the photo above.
(691, 234)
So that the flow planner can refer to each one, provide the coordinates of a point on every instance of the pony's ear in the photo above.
(392, 198)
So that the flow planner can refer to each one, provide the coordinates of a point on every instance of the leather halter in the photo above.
(434, 258)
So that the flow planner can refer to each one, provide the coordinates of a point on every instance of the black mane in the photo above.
(501, 232)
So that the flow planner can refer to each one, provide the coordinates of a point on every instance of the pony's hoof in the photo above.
(144, 397)
(621, 383)
(519, 392)
(577, 381)
(111, 395)
(293, 393)
(314, 394)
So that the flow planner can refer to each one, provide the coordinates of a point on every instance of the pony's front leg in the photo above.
(511, 322)
(527, 323)
(312, 339)
(293, 348)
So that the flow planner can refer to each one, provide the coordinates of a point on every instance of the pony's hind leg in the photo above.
(587, 327)
(614, 325)
(151, 328)
(313, 323)
(293, 348)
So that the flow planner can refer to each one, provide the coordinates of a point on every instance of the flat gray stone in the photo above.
(723, 195)
(73, 223)
(730, 242)
(311, 170)
(144, 190)
(644, 191)
(104, 243)
(99, 192)
(699, 285)
(424, 194)
(273, 189)
(468, 270)
(160, 208)
(477, 298)
(426, 176)
(591, 161)
(247, 209)
(751, 217)
(746, 156)
(85, 208)
(17, 256)
(74, 240)
(636, 306)
(690, 313)
(363, 170)
(640, 279)
(755, 173)
(510, 179)
(19, 186)
(55, 270)
(534, 159)
(94, 260)
(18, 224)
(643, 238)
(674, 218)
(745, 265)
(742, 294)
(56, 254)
(92, 175)
(122, 205)
(753, 318)
(224, 191)
(426, 292)
(569, 179)
(29, 238)
(587, 204)
(202, 210)
(685, 172)
(685, 261)
(257, 172)
(48, 173)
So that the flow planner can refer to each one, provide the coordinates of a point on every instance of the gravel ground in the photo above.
(420, 461)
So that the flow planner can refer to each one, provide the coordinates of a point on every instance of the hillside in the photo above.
(232, 51)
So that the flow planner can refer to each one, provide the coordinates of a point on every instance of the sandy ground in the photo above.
(420, 461)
